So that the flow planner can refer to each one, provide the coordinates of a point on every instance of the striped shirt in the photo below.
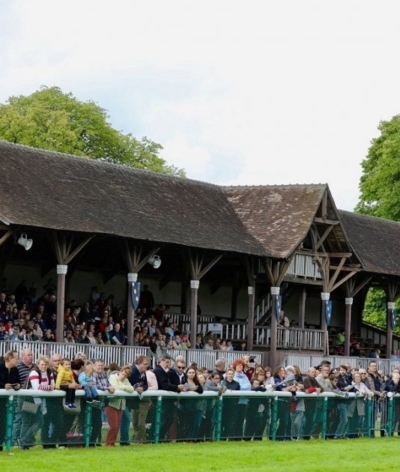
(42, 380)
(23, 370)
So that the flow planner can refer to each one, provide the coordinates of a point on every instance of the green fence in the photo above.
(30, 418)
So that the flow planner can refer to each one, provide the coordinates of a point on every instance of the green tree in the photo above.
(56, 121)
(380, 180)
(375, 309)
(380, 196)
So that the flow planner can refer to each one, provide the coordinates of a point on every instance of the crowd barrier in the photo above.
(190, 416)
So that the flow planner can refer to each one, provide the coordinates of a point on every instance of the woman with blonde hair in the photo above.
(40, 378)
(114, 409)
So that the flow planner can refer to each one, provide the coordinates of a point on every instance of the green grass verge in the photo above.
(316, 455)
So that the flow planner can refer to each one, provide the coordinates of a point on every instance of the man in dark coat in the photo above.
(9, 379)
(140, 406)
(164, 383)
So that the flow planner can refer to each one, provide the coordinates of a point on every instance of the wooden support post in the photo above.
(274, 327)
(130, 312)
(347, 333)
(62, 270)
(194, 286)
(324, 327)
(302, 308)
(250, 318)
(389, 332)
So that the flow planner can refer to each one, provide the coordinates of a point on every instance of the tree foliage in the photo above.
(56, 121)
(380, 180)
(380, 196)
(375, 309)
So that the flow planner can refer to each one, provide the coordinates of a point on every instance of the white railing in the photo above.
(304, 266)
(289, 338)
(262, 308)
(123, 355)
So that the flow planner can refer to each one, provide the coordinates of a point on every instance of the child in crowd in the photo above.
(65, 379)
(86, 380)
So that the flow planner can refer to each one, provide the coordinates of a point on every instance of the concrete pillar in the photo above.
(61, 273)
(347, 327)
(250, 318)
(130, 312)
(194, 287)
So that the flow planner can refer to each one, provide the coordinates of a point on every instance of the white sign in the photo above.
(215, 328)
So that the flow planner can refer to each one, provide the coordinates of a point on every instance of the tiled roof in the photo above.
(51, 190)
(279, 217)
(376, 241)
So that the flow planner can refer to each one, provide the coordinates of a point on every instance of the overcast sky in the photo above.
(238, 93)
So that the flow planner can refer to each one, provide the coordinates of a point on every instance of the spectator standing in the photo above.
(140, 408)
(24, 367)
(9, 379)
(118, 380)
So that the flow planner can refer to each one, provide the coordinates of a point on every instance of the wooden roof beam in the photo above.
(323, 237)
(340, 254)
(323, 221)
(6, 236)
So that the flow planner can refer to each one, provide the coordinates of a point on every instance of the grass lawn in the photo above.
(317, 455)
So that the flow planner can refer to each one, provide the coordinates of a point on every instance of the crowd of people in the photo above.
(188, 418)
(97, 321)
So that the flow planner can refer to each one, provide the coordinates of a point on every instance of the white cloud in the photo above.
(256, 93)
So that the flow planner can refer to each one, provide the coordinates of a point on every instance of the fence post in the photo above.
(390, 417)
(369, 414)
(9, 422)
(274, 418)
(218, 426)
(157, 420)
(324, 417)
(88, 424)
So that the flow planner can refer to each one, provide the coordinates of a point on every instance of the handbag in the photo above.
(29, 407)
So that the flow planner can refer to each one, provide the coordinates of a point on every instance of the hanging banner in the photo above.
(393, 318)
(278, 306)
(328, 311)
(135, 294)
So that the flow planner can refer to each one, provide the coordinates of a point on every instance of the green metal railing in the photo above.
(213, 417)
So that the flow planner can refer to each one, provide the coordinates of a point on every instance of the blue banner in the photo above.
(393, 318)
(278, 307)
(328, 311)
(135, 294)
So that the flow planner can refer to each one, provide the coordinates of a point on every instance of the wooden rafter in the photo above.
(134, 258)
(62, 247)
(6, 236)
(336, 274)
(393, 289)
(323, 237)
(343, 280)
(352, 289)
(197, 271)
(323, 221)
